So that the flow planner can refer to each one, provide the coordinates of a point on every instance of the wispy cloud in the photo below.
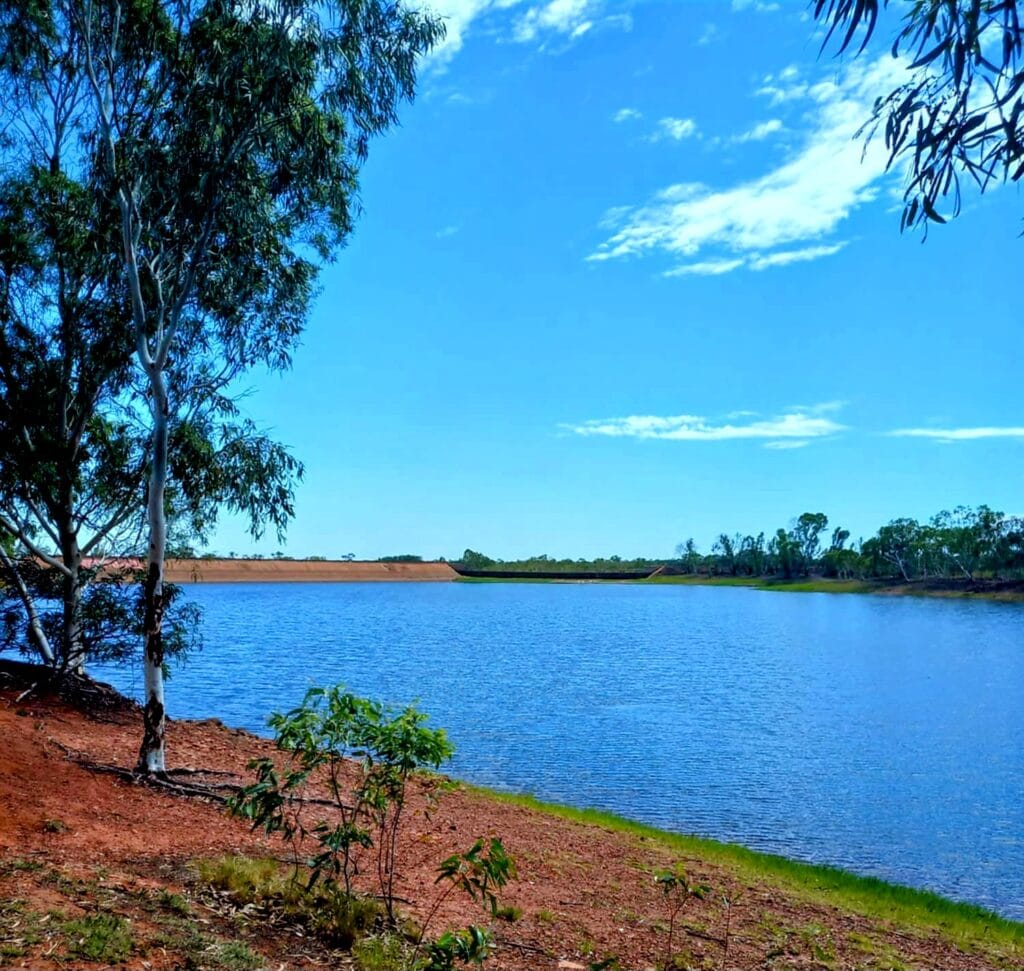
(949, 435)
(705, 268)
(708, 35)
(759, 6)
(518, 20)
(570, 17)
(446, 232)
(675, 128)
(626, 114)
(785, 257)
(458, 15)
(567, 18)
(794, 429)
(760, 131)
(801, 201)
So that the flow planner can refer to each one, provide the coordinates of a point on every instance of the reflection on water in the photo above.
(880, 734)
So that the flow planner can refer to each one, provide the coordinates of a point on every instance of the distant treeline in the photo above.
(477, 562)
(965, 543)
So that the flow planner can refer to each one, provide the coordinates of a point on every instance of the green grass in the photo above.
(235, 956)
(509, 580)
(966, 925)
(99, 937)
(246, 879)
(386, 952)
(801, 585)
(826, 585)
(326, 909)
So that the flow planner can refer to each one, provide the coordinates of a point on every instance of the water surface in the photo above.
(884, 735)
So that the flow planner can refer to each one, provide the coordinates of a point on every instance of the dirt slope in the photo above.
(234, 571)
(75, 841)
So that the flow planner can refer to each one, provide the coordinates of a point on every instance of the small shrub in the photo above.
(677, 890)
(99, 937)
(510, 914)
(470, 946)
(55, 826)
(545, 916)
(329, 732)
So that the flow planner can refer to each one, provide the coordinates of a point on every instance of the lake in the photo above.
(883, 735)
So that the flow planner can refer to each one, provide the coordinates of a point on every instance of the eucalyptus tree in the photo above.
(71, 461)
(806, 535)
(960, 113)
(227, 137)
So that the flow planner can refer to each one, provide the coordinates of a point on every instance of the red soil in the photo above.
(583, 892)
(233, 571)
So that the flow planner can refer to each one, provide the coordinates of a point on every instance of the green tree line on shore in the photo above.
(964, 543)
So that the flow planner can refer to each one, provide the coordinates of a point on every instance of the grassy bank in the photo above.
(1010, 592)
(980, 590)
(966, 925)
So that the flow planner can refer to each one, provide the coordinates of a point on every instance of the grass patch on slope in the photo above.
(967, 925)
(803, 585)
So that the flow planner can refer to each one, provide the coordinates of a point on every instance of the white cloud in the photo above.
(705, 268)
(447, 232)
(675, 128)
(457, 16)
(760, 6)
(569, 18)
(785, 257)
(960, 434)
(760, 131)
(626, 114)
(800, 201)
(708, 35)
(793, 429)
(757, 261)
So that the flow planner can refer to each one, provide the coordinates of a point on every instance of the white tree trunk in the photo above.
(36, 635)
(154, 717)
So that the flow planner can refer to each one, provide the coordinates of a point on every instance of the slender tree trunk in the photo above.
(36, 635)
(72, 649)
(154, 718)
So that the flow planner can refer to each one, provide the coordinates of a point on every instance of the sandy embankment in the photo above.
(235, 571)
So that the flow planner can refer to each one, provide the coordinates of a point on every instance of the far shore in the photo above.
(236, 570)
(224, 570)
(1004, 590)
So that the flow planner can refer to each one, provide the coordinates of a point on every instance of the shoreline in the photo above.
(1011, 591)
(997, 591)
(585, 887)
(236, 570)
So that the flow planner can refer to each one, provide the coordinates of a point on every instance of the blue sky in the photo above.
(624, 276)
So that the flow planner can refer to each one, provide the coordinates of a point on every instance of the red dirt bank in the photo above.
(78, 841)
(277, 571)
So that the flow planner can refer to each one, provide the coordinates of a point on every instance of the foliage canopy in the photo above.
(960, 114)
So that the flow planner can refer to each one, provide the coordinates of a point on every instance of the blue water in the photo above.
(883, 735)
